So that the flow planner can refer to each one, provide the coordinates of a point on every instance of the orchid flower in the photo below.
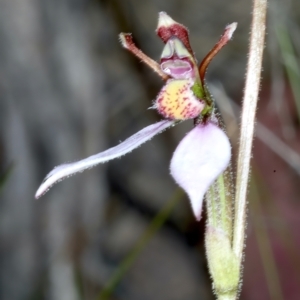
(205, 152)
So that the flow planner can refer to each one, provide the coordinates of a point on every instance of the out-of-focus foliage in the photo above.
(69, 90)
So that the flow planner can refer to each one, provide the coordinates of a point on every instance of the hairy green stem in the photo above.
(219, 203)
(222, 262)
(247, 123)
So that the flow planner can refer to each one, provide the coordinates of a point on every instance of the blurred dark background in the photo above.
(69, 90)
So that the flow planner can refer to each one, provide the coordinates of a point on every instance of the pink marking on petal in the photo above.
(66, 170)
(202, 155)
(178, 68)
(177, 97)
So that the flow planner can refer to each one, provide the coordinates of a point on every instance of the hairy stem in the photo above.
(247, 123)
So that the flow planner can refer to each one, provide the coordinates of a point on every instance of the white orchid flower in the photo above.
(205, 152)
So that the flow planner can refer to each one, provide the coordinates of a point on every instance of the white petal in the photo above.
(199, 159)
(63, 171)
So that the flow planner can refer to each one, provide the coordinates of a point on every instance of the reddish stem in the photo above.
(229, 30)
(127, 42)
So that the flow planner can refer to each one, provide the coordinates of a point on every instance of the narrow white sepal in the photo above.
(63, 171)
(202, 155)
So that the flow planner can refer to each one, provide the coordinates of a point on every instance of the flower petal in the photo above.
(167, 28)
(63, 171)
(202, 155)
(176, 100)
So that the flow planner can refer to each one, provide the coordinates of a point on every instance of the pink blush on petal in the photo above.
(202, 155)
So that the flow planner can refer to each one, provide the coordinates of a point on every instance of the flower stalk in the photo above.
(252, 84)
(224, 243)
(222, 262)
